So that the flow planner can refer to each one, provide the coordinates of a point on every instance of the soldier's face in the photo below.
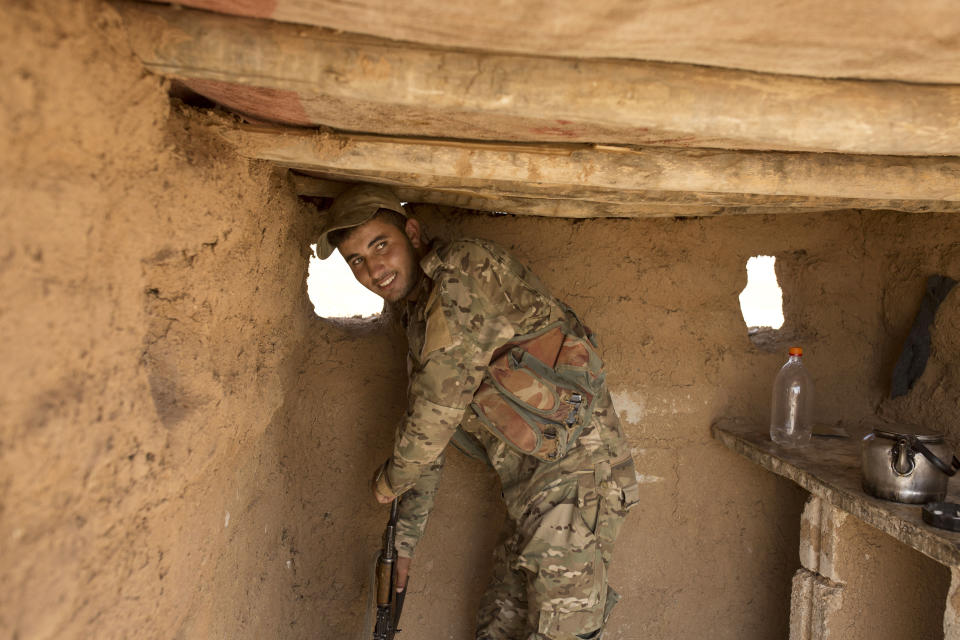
(383, 258)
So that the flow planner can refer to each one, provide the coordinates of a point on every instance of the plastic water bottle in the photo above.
(790, 415)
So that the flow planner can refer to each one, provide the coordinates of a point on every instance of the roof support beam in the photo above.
(610, 181)
(605, 205)
(881, 39)
(481, 200)
(308, 76)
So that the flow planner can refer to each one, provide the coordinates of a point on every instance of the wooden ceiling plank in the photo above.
(584, 201)
(506, 203)
(880, 39)
(308, 76)
(562, 170)
(531, 205)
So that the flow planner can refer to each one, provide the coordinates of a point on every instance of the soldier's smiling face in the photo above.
(385, 258)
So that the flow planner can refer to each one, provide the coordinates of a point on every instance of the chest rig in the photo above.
(540, 389)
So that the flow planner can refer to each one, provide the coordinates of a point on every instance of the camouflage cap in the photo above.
(352, 208)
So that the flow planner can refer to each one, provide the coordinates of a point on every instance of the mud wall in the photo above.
(185, 449)
(152, 299)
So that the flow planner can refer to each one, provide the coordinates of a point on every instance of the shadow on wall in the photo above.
(337, 425)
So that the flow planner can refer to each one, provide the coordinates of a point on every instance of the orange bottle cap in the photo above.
(796, 351)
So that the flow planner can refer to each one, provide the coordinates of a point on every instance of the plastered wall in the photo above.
(151, 304)
(184, 448)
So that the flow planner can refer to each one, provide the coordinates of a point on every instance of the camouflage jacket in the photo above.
(479, 298)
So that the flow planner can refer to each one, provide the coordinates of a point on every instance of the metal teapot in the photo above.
(906, 467)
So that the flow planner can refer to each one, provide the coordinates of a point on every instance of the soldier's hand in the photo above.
(402, 571)
(378, 482)
(382, 499)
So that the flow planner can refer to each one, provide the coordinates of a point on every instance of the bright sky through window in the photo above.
(335, 293)
(761, 301)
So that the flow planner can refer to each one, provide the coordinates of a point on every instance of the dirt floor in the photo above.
(185, 447)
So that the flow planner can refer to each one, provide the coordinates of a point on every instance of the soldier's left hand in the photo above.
(376, 483)
(382, 499)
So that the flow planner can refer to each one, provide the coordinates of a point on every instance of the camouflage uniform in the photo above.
(551, 567)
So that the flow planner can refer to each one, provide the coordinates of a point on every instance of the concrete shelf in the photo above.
(829, 468)
(831, 597)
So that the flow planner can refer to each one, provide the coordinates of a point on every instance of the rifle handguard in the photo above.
(384, 581)
(388, 608)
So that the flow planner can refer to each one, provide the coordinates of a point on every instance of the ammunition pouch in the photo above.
(540, 389)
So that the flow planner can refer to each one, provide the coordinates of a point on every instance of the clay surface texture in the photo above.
(185, 448)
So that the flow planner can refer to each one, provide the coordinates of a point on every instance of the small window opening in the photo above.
(761, 301)
(335, 293)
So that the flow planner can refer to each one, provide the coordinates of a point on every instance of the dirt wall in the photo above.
(152, 300)
(185, 449)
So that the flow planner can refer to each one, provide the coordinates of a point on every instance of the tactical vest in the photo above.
(540, 389)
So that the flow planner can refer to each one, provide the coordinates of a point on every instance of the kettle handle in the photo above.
(934, 460)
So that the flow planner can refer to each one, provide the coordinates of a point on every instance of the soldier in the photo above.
(508, 374)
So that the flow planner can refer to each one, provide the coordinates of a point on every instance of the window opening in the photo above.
(335, 293)
(761, 301)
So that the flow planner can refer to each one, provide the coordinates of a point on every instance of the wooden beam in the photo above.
(622, 180)
(308, 76)
(505, 203)
(608, 205)
(577, 169)
(880, 39)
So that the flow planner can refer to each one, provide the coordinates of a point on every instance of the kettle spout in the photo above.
(902, 454)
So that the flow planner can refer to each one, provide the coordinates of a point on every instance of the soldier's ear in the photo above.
(413, 231)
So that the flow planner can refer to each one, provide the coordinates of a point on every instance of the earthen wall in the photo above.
(185, 448)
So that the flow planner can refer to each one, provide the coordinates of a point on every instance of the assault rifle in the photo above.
(389, 600)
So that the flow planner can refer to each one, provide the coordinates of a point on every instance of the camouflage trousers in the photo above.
(550, 569)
